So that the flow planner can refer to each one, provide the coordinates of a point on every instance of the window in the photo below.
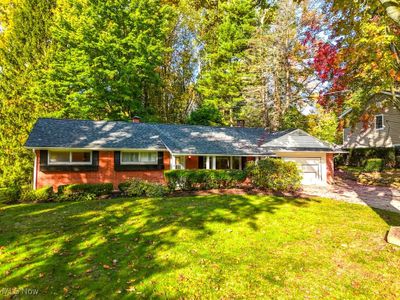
(223, 162)
(379, 122)
(70, 158)
(139, 158)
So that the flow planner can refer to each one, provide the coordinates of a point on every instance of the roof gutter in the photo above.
(95, 149)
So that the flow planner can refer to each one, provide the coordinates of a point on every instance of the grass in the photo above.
(221, 247)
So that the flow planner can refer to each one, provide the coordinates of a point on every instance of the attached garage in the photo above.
(310, 169)
(312, 166)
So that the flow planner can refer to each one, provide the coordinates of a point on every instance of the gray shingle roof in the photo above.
(179, 139)
(93, 134)
(297, 140)
(189, 139)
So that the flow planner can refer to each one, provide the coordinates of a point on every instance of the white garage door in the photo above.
(310, 168)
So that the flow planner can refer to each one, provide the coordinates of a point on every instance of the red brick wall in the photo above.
(105, 173)
(192, 162)
(329, 168)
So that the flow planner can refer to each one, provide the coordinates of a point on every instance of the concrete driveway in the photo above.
(350, 191)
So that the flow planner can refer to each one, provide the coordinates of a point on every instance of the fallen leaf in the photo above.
(131, 289)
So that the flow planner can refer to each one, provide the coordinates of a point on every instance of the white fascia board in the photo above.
(301, 151)
(96, 149)
(239, 155)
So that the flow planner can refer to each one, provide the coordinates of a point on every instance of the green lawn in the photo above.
(199, 247)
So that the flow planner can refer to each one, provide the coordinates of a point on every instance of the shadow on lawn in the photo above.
(110, 247)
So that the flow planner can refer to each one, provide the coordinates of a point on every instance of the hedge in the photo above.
(187, 180)
(44, 194)
(373, 165)
(358, 157)
(274, 174)
(97, 189)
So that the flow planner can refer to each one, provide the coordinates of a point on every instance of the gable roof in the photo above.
(297, 140)
(178, 139)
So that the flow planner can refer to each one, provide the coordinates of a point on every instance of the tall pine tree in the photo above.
(24, 44)
(227, 28)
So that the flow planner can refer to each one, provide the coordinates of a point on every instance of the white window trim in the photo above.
(70, 159)
(139, 162)
(383, 122)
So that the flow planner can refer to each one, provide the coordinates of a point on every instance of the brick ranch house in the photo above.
(82, 151)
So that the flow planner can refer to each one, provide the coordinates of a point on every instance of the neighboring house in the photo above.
(79, 151)
(383, 130)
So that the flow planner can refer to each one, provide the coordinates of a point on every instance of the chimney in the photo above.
(240, 123)
(136, 119)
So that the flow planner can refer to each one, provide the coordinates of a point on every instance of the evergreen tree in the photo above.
(24, 45)
(227, 28)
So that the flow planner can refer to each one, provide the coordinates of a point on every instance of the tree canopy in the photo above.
(197, 62)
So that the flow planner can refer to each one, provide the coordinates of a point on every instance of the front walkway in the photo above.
(350, 191)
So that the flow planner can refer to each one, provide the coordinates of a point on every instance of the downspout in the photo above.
(34, 169)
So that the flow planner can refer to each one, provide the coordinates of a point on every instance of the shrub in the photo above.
(137, 188)
(274, 174)
(44, 194)
(97, 189)
(123, 186)
(155, 190)
(133, 187)
(203, 179)
(374, 165)
(9, 195)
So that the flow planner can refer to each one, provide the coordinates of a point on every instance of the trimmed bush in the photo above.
(187, 180)
(97, 189)
(44, 194)
(155, 190)
(123, 186)
(138, 188)
(374, 165)
(133, 187)
(9, 195)
(274, 174)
